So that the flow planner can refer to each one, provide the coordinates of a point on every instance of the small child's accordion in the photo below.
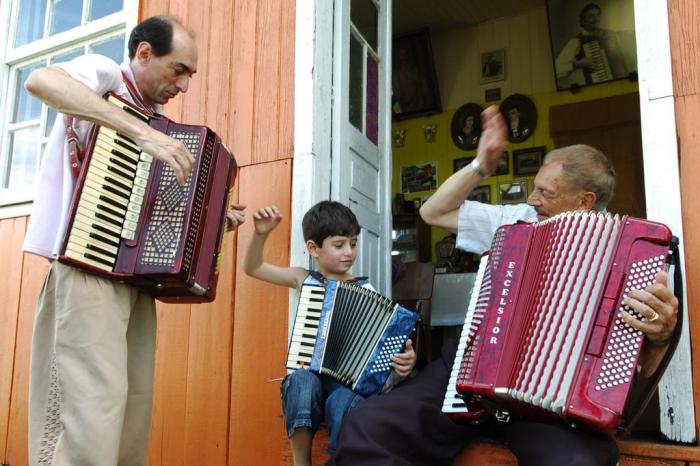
(349, 333)
(543, 334)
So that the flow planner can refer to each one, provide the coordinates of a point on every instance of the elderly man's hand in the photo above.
(493, 140)
(659, 307)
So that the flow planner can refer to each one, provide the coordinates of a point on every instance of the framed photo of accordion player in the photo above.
(592, 42)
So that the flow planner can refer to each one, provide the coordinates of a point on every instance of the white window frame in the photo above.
(11, 58)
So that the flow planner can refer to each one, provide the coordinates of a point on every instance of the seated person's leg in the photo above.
(302, 404)
(339, 400)
(406, 425)
(545, 444)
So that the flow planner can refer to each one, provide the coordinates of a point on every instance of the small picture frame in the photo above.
(521, 116)
(527, 162)
(481, 194)
(493, 66)
(513, 192)
(458, 164)
(465, 127)
(503, 167)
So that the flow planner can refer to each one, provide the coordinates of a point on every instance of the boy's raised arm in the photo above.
(266, 220)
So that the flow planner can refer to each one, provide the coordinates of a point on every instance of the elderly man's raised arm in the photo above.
(442, 209)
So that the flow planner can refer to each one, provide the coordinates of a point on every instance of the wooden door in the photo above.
(612, 125)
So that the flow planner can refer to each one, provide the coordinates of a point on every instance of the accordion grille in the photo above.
(164, 228)
(198, 202)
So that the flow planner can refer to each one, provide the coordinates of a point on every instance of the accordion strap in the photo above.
(75, 150)
(625, 427)
(136, 95)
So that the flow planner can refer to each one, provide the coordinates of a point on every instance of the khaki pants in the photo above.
(91, 375)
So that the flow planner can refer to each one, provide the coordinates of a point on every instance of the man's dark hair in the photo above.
(157, 31)
(329, 218)
(585, 9)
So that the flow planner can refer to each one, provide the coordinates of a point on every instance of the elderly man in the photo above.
(406, 426)
(94, 338)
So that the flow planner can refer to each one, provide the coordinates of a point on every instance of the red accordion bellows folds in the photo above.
(543, 334)
(130, 219)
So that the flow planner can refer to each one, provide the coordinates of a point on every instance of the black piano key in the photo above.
(111, 201)
(128, 176)
(130, 168)
(121, 155)
(127, 146)
(109, 211)
(117, 183)
(108, 219)
(106, 231)
(95, 258)
(112, 190)
(135, 113)
(126, 138)
(104, 239)
(95, 248)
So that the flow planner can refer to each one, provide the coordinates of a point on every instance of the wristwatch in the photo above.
(476, 166)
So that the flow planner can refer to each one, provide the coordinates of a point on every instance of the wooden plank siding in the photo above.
(214, 402)
(685, 50)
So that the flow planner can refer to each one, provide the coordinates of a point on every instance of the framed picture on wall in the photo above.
(493, 66)
(458, 164)
(592, 42)
(528, 161)
(521, 116)
(513, 192)
(503, 167)
(481, 194)
(414, 81)
(465, 127)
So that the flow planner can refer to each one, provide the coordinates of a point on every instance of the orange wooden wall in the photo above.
(215, 403)
(685, 60)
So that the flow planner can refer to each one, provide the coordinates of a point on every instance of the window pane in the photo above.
(26, 106)
(372, 109)
(356, 74)
(64, 57)
(363, 14)
(30, 21)
(112, 48)
(24, 146)
(66, 15)
(100, 8)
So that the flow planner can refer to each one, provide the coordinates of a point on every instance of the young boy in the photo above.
(330, 231)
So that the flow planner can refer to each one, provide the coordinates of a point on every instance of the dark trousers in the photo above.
(406, 427)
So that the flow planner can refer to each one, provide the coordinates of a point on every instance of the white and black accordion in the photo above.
(349, 333)
(542, 335)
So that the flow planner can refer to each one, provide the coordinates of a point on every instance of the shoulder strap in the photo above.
(75, 150)
(135, 95)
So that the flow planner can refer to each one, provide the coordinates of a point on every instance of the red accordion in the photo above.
(542, 335)
(132, 221)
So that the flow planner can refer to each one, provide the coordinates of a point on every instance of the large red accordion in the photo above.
(542, 335)
(132, 221)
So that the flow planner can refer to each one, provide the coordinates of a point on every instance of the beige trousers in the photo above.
(91, 374)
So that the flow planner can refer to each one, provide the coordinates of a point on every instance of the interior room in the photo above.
(451, 59)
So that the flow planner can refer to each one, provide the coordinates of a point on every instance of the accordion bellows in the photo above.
(542, 334)
(349, 333)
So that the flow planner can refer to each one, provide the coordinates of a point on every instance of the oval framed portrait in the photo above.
(466, 126)
(520, 115)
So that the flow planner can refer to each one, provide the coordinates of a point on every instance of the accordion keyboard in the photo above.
(301, 346)
(111, 199)
(453, 403)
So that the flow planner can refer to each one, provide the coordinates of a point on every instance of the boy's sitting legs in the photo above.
(339, 400)
(302, 404)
